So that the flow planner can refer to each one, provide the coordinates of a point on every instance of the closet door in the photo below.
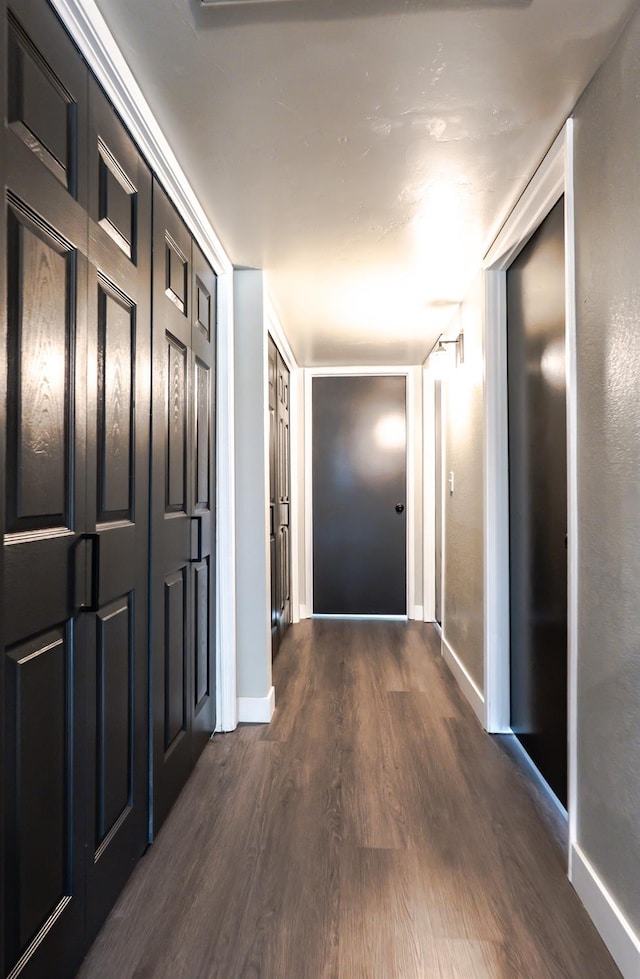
(283, 476)
(172, 491)
(203, 501)
(183, 493)
(273, 498)
(117, 506)
(45, 552)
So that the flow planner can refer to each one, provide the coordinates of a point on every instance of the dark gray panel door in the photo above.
(359, 495)
(273, 495)
(203, 501)
(538, 499)
(117, 487)
(45, 556)
(183, 508)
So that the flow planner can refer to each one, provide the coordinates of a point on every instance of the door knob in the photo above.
(399, 507)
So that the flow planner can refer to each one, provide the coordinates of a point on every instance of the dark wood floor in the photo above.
(372, 831)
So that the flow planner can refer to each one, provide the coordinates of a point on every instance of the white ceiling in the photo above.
(363, 152)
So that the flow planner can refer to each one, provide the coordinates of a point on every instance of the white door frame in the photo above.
(553, 178)
(414, 419)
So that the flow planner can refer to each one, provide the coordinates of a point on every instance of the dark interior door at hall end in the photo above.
(538, 500)
(359, 495)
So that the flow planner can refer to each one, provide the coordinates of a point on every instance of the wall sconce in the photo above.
(440, 363)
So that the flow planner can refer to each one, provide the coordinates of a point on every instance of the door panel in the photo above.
(184, 504)
(283, 481)
(273, 496)
(117, 488)
(202, 501)
(45, 554)
(538, 500)
(359, 477)
(171, 521)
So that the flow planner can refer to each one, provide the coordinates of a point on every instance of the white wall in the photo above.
(605, 798)
(255, 695)
(607, 219)
(463, 509)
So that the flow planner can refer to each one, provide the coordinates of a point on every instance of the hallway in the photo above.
(372, 831)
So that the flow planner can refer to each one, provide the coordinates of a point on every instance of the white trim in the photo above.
(308, 496)
(416, 613)
(360, 618)
(279, 337)
(410, 373)
(91, 33)
(615, 930)
(304, 613)
(413, 409)
(572, 482)
(554, 177)
(535, 774)
(428, 497)
(543, 191)
(296, 436)
(496, 508)
(257, 710)
(226, 702)
(465, 681)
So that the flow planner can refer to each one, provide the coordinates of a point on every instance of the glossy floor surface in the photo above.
(372, 831)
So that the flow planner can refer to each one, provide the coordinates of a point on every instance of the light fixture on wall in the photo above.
(439, 358)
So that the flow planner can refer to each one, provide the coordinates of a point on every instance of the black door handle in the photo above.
(94, 600)
(399, 507)
(196, 539)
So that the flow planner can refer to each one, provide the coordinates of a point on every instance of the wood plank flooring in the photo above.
(372, 831)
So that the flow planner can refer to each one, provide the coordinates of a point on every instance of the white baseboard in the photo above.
(303, 612)
(416, 612)
(615, 930)
(257, 710)
(468, 686)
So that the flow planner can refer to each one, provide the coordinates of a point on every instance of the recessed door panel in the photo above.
(202, 657)
(203, 421)
(42, 113)
(116, 387)
(39, 782)
(115, 700)
(359, 495)
(176, 420)
(117, 201)
(41, 317)
(175, 656)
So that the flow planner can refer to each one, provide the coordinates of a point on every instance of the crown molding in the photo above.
(90, 32)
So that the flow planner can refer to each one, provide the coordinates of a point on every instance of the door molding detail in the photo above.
(413, 377)
(553, 179)
(91, 34)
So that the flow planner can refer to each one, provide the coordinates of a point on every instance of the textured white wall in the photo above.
(463, 549)
(607, 199)
(252, 533)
